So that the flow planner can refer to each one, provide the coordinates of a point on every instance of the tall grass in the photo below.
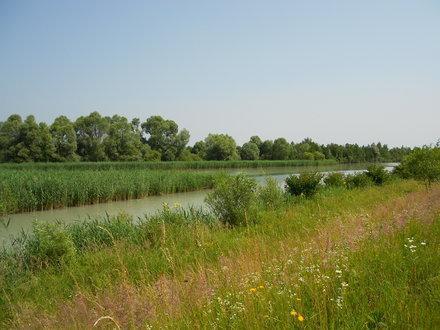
(184, 269)
(166, 165)
(35, 189)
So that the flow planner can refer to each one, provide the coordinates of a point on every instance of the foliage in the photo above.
(163, 136)
(359, 180)
(271, 195)
(249, 151)
(377, 174)
(91, 131)
(50, 244)
(335, 179)
(98, 138)
(306, 184)
(233, 200)
(220, 147)
(281, 149)
(422, 164)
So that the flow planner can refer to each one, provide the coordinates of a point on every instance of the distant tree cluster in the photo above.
(98, 138)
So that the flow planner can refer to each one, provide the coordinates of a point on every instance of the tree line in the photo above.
(98, 138)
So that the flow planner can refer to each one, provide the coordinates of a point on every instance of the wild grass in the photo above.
(337, 260)
(172, 165)
(35, 189)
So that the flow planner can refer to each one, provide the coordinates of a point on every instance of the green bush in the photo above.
(422, 164)
(359, 180)
(377, 174)
(233, 200)
(306, 184)
(271, 195)
(335, 179)
(50, 244)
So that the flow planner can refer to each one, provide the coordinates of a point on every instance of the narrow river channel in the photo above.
(149, 205)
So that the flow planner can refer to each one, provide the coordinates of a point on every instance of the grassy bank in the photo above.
(175, 165)
(34, 189)
(309, 262)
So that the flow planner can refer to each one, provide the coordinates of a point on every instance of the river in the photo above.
(13, 224)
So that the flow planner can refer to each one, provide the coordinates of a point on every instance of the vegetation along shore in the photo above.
(347, 251)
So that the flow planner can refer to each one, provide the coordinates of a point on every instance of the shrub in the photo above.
(50, 244)
(306, 184)
(271, 195)
(422, 164)
(359, 180)
(335, 179)
(377, 174)
(234, 199)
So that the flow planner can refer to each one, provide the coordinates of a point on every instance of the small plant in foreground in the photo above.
(234, 200)
(306, 184)
(271, 195)
(50, 244)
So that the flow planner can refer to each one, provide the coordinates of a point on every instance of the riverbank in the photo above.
(307, 262)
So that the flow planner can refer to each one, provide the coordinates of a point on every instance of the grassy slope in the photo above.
(296, 258)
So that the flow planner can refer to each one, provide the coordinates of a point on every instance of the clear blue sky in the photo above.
(343, 71)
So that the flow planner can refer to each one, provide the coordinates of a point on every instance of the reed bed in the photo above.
(36, 189)
(175, 165)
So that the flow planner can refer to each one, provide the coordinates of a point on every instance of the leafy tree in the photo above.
(266, 149)
(91, 131)
(256, 139)
(199, 149)
(163, 135)
(220, 147)
(64, 139)
(123, 141)
(281, 149)
(9, 137)
(423, 164)
(249, 151)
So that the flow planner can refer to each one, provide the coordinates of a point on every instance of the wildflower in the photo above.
(293, 313)
(252, 290)
(261, 287)
(300, 318)
(298, 299)
(423, 243)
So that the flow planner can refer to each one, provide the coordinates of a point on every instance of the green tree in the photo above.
(91, 131)
(249, 151)
(64, 139)
(163, 136)
(220, 147)
(281, 149)
(422, 164)
(199, 149)
(123, 141)
(266, 149)
(9, 137)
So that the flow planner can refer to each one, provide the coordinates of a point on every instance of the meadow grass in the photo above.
(340, 259)
(35, 189)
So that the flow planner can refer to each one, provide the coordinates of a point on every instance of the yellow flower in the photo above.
(261, 287)
(298, 299)
(300, 318)
(293, 313)
(253, 290)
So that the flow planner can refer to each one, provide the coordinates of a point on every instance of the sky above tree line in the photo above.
(335, 71)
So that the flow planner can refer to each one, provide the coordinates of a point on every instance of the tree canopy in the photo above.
(98, 138)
